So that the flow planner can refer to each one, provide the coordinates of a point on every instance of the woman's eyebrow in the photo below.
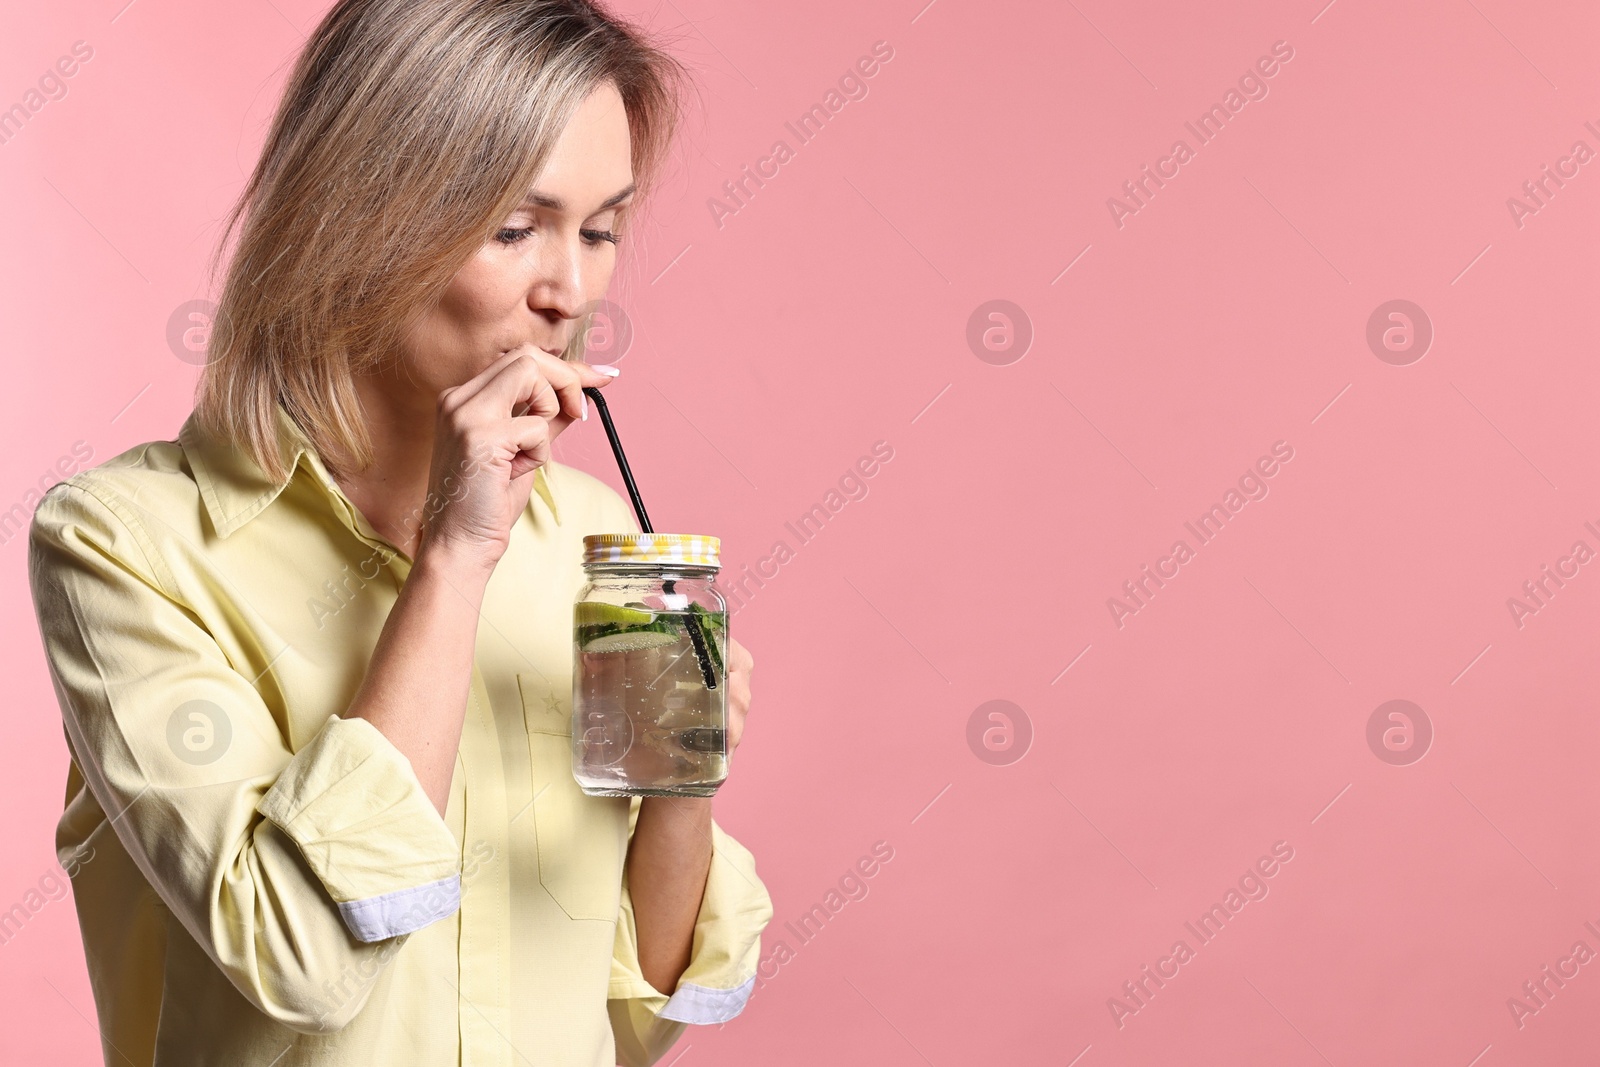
(555, 203)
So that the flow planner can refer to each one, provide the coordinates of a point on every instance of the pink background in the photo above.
(828, 313)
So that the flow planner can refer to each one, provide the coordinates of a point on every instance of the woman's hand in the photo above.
(740, 663)
(491, 433)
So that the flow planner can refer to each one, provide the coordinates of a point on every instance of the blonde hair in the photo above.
(406, 134)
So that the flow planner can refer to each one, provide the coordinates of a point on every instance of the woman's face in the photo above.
(552, 256)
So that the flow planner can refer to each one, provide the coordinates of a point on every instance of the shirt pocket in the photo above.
(582, 840)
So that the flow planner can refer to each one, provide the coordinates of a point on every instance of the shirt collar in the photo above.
(235, 489)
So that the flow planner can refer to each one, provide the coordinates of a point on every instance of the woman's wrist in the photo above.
(463, 569)
(680, 810)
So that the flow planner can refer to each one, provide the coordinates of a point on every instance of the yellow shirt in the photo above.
(276, 887)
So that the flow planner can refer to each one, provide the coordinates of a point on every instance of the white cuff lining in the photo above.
(403, 911)
(699, 1004)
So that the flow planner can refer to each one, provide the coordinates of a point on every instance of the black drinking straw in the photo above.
(695, 637)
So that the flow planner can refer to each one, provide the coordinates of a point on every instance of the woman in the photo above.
(314, 656)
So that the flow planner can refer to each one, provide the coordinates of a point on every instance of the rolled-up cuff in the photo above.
(698, 1004)
(402, 911)
(352, 804)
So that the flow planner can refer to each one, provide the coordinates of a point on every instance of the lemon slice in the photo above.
(596, 613)
(631, 641)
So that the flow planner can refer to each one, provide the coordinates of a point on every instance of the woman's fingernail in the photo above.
(607, 370)
(585, 406)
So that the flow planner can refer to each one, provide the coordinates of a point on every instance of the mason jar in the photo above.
(650, 638)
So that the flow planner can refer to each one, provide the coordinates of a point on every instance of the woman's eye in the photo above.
(595, 237)
(512, 236)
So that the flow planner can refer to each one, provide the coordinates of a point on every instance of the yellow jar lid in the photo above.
(689, 550)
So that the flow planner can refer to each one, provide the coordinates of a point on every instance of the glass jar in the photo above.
(649, 697)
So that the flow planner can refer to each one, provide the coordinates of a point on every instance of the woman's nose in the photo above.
(558, 287)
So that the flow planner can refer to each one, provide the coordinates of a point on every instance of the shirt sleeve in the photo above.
(288, 868)
(723, 958)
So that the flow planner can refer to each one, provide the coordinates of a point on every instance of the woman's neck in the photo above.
(392, 491)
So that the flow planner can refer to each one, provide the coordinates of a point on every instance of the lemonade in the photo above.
(648, 704)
